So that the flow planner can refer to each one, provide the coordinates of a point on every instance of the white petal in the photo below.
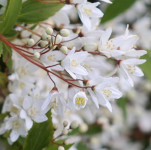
(71, 74)
(27, 102)
(14, 135)
(126, 75)
(94, 99)
(79, 70)
(47, 101)
(40, 118)
(106, 35)
(134, 61)
(107, 1)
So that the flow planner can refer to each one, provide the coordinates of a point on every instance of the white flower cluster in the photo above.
(73, 59)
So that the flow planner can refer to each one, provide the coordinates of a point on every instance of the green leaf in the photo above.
(7, 53)
(34, 11)
(122, 104)
(82, 146)
(10, 16)
(145, 67)
(1, 48)
(55, 147)
(116, 8)
(40, 135)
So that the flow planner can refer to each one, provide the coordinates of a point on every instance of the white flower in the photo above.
(31, 109)
(104, 91)
(71, 63)
(52, 58)
(55, 101)
(128, 67)
(17, 127)
(80, 99)
(88, 10)
(110, 47)
(107, 1)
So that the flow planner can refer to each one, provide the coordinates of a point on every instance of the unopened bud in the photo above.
(37, 55)
(103, 121)
(61, 148)
(83, 128)
(30, 42)
(94, 140)
(57, 40)
(64, 49)
(43, 43)
(65, 123)
(48, 38)
(55, 126)
(53, 47)
(91, 47)
(64, 32)
(44, 36)
(74, 124)
(65, 132)
(49, 31)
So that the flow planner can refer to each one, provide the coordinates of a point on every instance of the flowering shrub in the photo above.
(57, 69)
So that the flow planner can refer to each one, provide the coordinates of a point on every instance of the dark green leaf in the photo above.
(122, 104)
(116, 8)
(21, 140)
(40, 135)
(94, 129)
(7, 53)
(10, 16)
(55, 147)
(145, 67)
(82, 146)
(34, 11)
(1, 48)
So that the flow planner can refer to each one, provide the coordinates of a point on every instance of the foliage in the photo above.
(40, 135)
(116, 8)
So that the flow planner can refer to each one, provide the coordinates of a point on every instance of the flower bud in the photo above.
(30, 42)
(94, 141)
(65, 123)
(43, 43)
(65, 132)
(58, 39)
(53, 46)
(103, 121)
(55, 126)
(48, 38)
(91, 47)
(64, 49)
(64, 32)
(83, 128)
(44, 36)
(61, 148)
(49, 31)
(37, 55)
(74, 124)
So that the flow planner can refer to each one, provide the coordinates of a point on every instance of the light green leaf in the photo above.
(147, 65)
(7, 53)
(116, 8)
(34, 11)
(82, 146)
(10, 16)
(40, 135)
(55, 147)
(1, 48)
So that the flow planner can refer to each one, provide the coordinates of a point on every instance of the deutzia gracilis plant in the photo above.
(58, 66)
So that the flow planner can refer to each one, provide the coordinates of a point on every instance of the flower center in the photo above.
(33, 111)
(131, 69)
(15, 110)
(52, 57)
(21, 85)
(74, 63)
(110, 45)
(80, 100)
(87, 11)
(54, 104)
(107, 92)
(16, 124)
